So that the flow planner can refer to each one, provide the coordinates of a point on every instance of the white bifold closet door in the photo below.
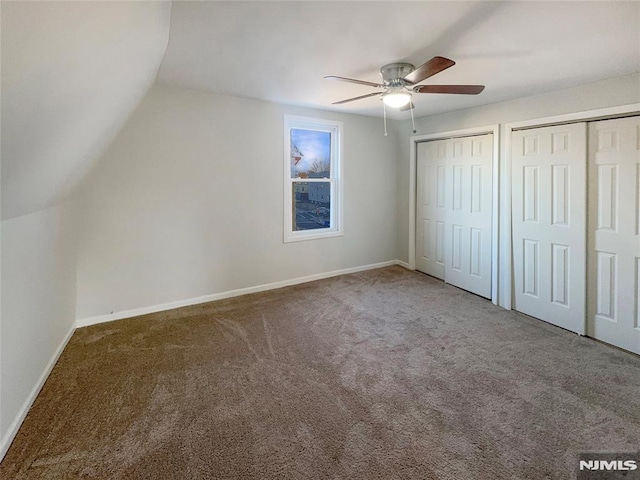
(549, 224)
(453, 228)
(614, 232)
(431, 212)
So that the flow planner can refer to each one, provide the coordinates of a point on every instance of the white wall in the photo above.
(37, 315)
(617, 91)
(187, 202)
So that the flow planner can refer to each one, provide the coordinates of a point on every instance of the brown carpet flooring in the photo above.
(385, 374)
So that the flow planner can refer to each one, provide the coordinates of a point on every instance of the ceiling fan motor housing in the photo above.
(393, 74)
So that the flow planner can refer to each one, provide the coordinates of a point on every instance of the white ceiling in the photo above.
(280, 51)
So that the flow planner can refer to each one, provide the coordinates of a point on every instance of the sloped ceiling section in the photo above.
(72, 72)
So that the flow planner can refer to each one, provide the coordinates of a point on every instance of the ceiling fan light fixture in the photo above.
(396, 97)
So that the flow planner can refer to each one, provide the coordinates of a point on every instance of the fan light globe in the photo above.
(396, 99)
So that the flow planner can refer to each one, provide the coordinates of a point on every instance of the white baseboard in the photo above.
(85, 322)
(5, 443)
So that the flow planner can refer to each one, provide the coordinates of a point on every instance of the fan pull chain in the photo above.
(413, 121)
(384, 113)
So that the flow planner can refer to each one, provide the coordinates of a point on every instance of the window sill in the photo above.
(313, 235)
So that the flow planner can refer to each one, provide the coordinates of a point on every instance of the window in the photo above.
(312, 169)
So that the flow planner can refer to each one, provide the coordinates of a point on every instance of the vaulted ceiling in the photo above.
(72, 72)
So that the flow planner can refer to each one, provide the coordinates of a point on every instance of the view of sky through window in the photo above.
(310, 154)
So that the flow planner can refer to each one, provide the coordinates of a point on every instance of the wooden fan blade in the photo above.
(459, 89)
(351, 80)
(433, 66)
(407, 107)
(357, 98)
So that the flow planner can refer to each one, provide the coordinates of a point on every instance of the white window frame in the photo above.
(335, 223)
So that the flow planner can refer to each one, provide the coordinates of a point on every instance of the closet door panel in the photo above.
(614, 232)
(468, 254)
(549, 224)
(430, 207)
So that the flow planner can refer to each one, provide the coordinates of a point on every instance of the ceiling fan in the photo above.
(400, 79)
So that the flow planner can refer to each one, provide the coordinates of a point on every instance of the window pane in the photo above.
(311, 205)
(310, 154)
